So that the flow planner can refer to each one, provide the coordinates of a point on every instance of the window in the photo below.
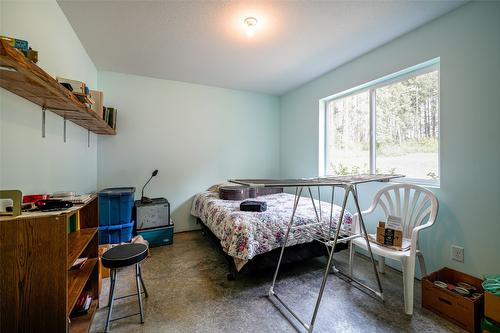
(390, 125)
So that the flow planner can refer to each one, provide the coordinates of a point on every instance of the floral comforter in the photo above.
(244, 235)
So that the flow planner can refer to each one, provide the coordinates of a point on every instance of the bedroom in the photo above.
(203, 102)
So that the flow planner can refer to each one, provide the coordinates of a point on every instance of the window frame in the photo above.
(371, 87)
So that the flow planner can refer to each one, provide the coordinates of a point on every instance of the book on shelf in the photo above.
(110, 115)
(106, 114)
(16, 43)
(97, 96)
(79, 199)
(77, 86)
(112, 118)
(82, 304)
(79, 263)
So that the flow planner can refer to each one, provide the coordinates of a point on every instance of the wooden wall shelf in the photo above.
(22, 77)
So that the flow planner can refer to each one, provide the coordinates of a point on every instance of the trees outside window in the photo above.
(389, 127)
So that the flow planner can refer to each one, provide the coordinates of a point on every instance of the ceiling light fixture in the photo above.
(250, 26)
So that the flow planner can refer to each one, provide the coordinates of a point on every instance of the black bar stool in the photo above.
(123, 256)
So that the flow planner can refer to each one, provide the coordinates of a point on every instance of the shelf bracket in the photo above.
(64, 130)
(43, 121)
(88, 138)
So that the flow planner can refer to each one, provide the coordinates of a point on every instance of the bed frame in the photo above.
(269, 259)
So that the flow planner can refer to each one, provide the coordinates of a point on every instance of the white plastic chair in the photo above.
(414, 204)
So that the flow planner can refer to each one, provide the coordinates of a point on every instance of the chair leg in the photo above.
(408, 265)
(352, 250)
(421, 261)
(111, 299)
(111, 287)
(142, 282)
(139, 292)
(381, 264)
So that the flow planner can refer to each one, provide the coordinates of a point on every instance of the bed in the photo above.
(255, 238)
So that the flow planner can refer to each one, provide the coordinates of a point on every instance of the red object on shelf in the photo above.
(34, 197)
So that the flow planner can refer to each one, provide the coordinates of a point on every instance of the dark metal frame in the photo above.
(139, 282)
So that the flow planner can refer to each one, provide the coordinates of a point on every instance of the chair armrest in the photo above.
(355, 217)
(414, 235)
(368, 211)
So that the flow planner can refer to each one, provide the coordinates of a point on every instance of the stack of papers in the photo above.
(77, 199)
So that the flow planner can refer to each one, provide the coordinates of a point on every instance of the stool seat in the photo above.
(124, 255)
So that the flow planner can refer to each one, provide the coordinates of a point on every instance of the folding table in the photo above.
(324, 230)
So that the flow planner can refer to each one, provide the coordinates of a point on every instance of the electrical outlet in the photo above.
(457, 253)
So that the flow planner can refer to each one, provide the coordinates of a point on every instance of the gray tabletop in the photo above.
(316, 181)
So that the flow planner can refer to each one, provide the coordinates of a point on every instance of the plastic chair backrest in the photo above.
(410, 202)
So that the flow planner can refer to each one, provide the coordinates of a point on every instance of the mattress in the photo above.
(243, 235)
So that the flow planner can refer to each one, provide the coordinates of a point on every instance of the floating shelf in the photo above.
(22, 77)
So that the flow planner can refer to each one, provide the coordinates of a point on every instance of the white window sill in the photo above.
(420, 182)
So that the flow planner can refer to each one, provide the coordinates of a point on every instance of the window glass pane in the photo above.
(407, 127)
(347, 132)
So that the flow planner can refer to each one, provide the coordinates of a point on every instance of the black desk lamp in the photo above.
(143, 198)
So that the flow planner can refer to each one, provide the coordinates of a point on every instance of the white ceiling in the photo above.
(204, 41)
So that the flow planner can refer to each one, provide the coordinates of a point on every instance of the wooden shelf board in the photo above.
(77, 280)
(70, 211)
(29, 81)
(77, 242)
(81, 324)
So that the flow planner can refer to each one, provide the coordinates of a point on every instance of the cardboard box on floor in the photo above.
(465, 312)
(103, 271)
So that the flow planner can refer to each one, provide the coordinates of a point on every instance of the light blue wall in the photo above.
(468, 42)
(198, 135)
(195, 135)
(27, 161)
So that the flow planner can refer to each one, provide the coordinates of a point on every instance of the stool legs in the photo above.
(138, 281)
(111, 286)
(142, 281)
(111, 298)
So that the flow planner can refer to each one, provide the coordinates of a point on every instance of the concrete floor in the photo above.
(189, 293)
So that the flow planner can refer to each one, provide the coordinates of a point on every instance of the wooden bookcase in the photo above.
(37, 289)
(22, 77)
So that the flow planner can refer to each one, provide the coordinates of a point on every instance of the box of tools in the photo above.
(455, 296)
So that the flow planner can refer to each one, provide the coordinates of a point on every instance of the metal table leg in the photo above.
(328, 265)
(348, 190)
(298, 193)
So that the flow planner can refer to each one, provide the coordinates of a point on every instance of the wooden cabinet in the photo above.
(37, 288)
